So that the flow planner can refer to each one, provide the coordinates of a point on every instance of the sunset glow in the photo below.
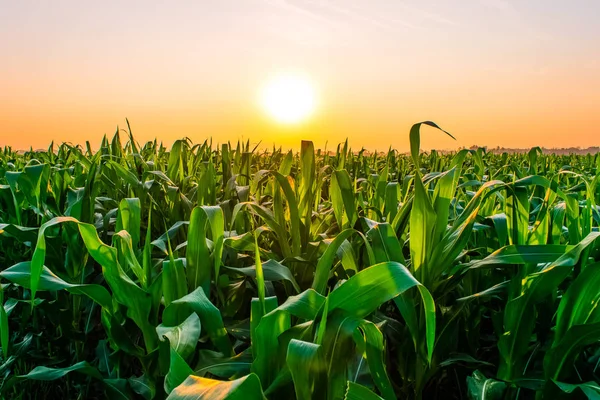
(494, 73)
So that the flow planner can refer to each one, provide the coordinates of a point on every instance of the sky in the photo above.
(492, 72)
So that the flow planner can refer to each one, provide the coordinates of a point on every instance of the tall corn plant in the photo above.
(221, 271)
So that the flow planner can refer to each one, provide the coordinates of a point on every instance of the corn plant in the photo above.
(213, 271)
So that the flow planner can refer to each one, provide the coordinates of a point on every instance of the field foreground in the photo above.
(226, 273)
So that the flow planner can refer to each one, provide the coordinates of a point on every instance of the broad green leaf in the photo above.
(375, 358)
(482, 388)
(525, 254)
(359, 392)
(579, 305)
(223, 367)
(590, 389)
(563, 352)
(198, 256)
(306, 367)
(519, 312)
(183, 338)
(210, 317)
(272, 271)
(178, 372)
(342, 197)
(326, 260)
(386, 245)
(129, 219)
(42, 373)
(143, 386)
(20, 274)
(293, 210)
(265, 344)
(173, 280)
(198, 388)
(366, 291)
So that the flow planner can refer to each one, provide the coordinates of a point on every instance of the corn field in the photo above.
(228, 272)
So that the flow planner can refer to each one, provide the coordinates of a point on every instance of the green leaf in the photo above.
(386, 245)
(307, 184)
(306, 367)
(183, 337)
(265, 343)
(481, 388)
(443, 194)
(525, 254)
(272, 271)
(519, 312)
(563, 351)
(224, 367)
(4, 328)
(197, 388)
(143, 386)
(366, 291)
(178, 372)
(117, 389)
(173, 280)
(127, 257)
(422, 228)
(590, 389)
(21, 233)
(20, 274)
(39, 254)
(342, 197)
(415, 139)
(198, 255)
(359, 392)
(326, 260)
(375, 358)
(293, 210)
(260, 278)
(42, 373)
(210, 317)
(579, 305)
(129, 219)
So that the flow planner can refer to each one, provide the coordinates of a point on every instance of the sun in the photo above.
(288, 98)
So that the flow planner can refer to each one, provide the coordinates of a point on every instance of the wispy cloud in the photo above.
(306, 28)
(419, 13)
(290, 6)
(335, 14)
(502, 5)
(361, 14)
(344, 19)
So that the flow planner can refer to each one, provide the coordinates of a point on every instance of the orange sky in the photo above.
(492, 72)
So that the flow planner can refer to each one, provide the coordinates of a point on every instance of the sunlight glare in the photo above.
(288, 98)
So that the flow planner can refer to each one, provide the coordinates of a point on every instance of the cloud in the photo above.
(294, 8)
(339, 20)
(361, 14)
(335, 15)
(502, 5)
